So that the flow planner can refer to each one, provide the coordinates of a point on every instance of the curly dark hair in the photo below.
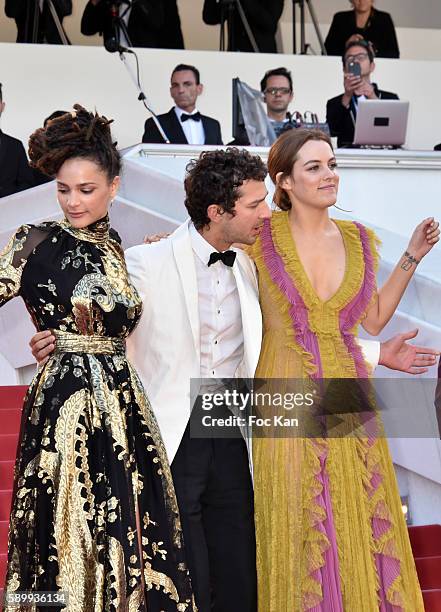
(78, 134)
(216, 178)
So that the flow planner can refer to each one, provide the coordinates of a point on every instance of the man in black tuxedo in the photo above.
(341, 111)
(184, 124)
(23, 12)
(15, 173)
(262, 15)
(148, 23)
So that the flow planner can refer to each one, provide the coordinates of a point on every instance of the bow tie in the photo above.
(195, 117)
(227, 257)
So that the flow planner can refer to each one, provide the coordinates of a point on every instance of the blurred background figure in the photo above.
(363, 22)
(261, 15)
(145, 23)
(341, 111)
(184, 124)
(35, 17)
(15, 173)
(277, 90)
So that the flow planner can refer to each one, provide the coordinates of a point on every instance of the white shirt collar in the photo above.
(201, 247)
(180, 111)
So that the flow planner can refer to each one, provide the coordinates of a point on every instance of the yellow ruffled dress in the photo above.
(352, 554)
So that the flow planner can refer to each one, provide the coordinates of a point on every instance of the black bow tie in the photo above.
(227, 257)
(195, 117)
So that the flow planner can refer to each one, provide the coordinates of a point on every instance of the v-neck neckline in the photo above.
(306, 282)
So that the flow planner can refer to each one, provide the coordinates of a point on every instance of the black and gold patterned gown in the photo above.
(93, 491)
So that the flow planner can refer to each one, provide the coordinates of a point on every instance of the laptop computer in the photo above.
(381, 122)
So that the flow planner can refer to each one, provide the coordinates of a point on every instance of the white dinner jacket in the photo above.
(165, 346)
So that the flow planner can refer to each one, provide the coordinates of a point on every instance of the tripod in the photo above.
(113, 45)
(228, 12)
(33, 18)
(119, 26)
(303, 44)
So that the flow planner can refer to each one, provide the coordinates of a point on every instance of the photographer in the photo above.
(341, 111)
(149, 23)
(23, 11)
(277, 90)
(262, 15)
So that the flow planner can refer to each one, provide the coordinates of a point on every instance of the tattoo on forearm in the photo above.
(409, 261)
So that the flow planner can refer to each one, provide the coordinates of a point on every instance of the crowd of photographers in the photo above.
(252, 24)
(157, 24)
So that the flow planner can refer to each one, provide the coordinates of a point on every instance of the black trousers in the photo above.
(215, 497)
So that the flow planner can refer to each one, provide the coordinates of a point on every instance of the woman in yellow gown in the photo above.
(331, 535)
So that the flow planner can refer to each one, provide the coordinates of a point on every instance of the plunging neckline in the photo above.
(301, 269)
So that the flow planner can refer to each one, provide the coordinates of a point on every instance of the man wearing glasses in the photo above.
(276, 87)
(341, 111)
(278, 94)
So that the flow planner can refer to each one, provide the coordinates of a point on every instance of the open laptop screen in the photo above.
(381, 122)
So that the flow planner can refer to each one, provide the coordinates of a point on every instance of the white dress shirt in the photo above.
(193, 130)
(220, 316)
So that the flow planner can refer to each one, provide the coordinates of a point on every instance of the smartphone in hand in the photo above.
(354, 68)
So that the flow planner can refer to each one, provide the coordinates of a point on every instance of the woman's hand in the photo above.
(424, 238)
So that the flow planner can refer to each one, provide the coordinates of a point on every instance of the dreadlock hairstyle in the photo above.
(77, 134)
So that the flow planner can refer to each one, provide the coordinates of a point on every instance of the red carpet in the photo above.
(426, 546)
(11, 401)
(425, 540)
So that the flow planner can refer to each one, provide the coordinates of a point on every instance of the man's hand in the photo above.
(350, 83)
(155, 237)
(42, 345)
(397, 354)
(366, 89)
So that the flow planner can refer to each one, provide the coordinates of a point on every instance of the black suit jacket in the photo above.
(263, 17)
(151, 23)
(379, 30)
(341, 119)
(172, 127)
(21, 9)
(15, 173)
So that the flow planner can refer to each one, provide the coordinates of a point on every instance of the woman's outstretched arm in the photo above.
(425, 236)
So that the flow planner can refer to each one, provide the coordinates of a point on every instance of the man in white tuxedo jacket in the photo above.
(202, 320)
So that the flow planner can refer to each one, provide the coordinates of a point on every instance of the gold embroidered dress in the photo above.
(330, 530)
(94, 506)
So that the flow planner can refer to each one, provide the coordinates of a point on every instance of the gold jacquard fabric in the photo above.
(307, 549)
(94, 514)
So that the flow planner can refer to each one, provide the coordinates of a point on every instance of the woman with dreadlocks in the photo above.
(94, 517)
